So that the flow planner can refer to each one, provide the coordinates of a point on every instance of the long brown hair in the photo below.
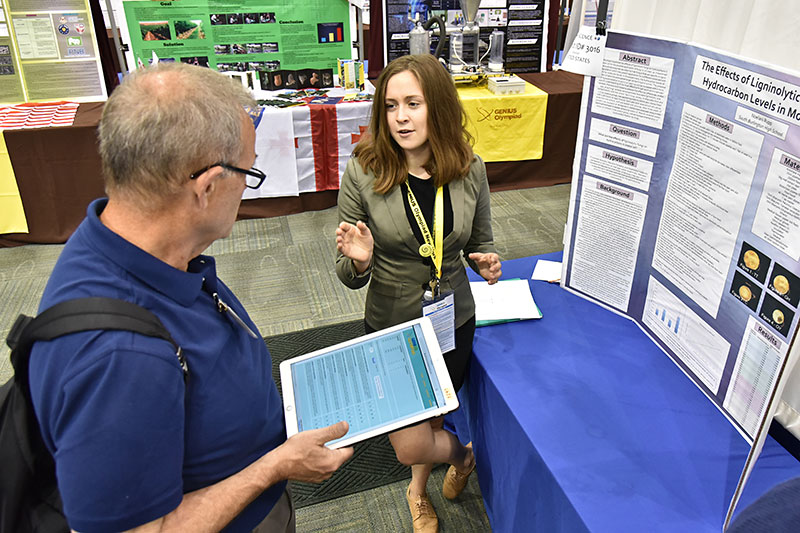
(451, 150)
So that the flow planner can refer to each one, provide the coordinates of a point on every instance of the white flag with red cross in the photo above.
(306, 148)
(325, 136)
(353, 120)
(275, 153)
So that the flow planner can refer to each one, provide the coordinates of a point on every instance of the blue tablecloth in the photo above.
(581, 423)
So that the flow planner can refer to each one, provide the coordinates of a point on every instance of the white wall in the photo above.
(764, 30)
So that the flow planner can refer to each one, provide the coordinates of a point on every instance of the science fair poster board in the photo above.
(685, 215)
(239, 36)
(523, 23)
(48, 51)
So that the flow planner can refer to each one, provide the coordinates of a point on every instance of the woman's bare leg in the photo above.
(426, 444)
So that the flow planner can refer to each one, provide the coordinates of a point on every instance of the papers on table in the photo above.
(504, 301)
(547, 271)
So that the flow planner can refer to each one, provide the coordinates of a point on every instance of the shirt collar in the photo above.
(183, 287)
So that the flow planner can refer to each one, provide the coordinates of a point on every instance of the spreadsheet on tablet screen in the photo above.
(369, 384)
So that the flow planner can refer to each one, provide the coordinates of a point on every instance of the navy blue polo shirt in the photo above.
(129, 438)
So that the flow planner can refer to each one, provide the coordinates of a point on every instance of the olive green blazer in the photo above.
(397, 273)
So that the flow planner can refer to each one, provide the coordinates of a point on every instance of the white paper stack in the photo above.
(505, 301)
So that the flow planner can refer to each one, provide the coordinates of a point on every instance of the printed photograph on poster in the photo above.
(155, 30)
(776, 315)
(492, 18)
(754, 262)
(199, 61)
(189, 29)
(785, 285)
(747, 291)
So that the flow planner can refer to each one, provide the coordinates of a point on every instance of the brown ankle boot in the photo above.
(455, 481)
(423, 517)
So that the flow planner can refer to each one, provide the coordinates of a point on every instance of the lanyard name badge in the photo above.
(438, 306)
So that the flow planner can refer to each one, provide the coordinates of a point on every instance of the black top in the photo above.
(425, 193)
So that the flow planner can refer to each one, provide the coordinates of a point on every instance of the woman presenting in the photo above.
(413, 201)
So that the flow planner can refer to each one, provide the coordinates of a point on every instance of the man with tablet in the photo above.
(136, 446)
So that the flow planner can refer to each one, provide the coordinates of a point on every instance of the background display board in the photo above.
(240, 36)
(48, 51)
(523, 22)
(584, 13)
(685, 215)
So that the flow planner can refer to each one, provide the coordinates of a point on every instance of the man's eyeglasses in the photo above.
(253, 178)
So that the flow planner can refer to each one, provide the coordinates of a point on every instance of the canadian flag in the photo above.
(306, 148)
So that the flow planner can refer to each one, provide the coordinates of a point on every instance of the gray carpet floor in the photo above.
(282, 269)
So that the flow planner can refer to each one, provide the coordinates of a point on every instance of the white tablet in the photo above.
(380, 382)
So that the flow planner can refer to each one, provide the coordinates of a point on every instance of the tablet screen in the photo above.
(369, 384)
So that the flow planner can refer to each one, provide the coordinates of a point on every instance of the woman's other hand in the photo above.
(488, 266)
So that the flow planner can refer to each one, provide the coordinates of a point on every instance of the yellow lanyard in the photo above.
(432, 247)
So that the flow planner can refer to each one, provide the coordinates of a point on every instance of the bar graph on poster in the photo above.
(684, 215)
(701, 349)
(662, 313)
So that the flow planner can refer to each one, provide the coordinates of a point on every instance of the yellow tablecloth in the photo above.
(12, 216)
(505, 127)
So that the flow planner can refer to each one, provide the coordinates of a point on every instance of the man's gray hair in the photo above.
(165, 122)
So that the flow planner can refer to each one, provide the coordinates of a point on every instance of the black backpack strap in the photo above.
(82, 314)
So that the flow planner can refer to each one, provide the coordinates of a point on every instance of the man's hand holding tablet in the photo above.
(378, 383)
(304, 458)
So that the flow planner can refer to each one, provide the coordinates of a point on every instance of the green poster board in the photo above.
(240, 36)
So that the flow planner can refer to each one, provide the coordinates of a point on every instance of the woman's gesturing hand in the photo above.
(355, 241)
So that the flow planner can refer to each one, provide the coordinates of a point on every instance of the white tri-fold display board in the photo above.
(685, 214)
